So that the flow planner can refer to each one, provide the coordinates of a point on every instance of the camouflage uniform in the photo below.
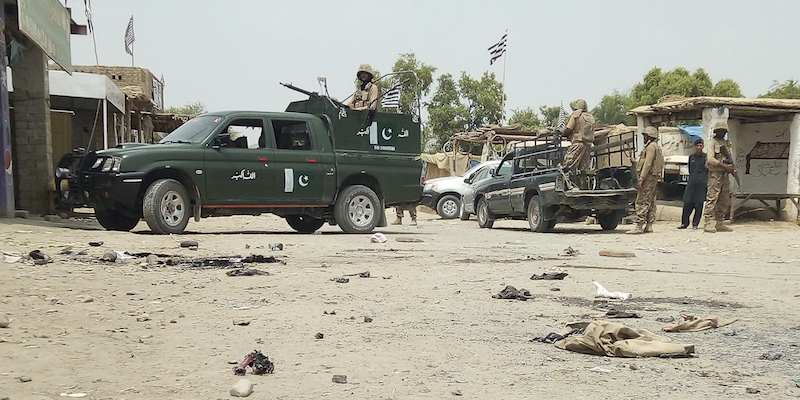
(581, 123)
(718, 195)
(650, 170)
(367, 93)
(412, 211)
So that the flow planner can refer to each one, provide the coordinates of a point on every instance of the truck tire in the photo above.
(166, 206)
(304, 223)
(357, 209)
(113, 221)
(609, 221)
(485, 217)
(536, 215)
(447, 207)
(462, 211)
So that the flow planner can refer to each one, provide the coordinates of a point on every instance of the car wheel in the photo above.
(113, 221)
(304, 223)
(448, 206)
(166, 206)
(609, 221)
(462, 211)
(485, 218)
(536, 215)
(357, 209)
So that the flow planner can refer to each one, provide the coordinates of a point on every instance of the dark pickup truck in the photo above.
(530, 184)
(317, 162)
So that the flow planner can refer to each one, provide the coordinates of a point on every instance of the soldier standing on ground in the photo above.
(580, 130)
(649, 170)
(366, 95)
(695, 194)
(719, 186)
(412, 211)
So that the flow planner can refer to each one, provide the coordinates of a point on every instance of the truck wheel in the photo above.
(536, 215)
(304, 223)
(166, 206)
(485, 217)
(357, 209)
(113, 221)
(609, 220)
(448, 206)
(462, 212)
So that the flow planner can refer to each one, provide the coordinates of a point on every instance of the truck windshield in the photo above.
(193, 131)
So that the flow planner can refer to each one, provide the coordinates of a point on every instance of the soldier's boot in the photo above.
(720, 227)
(413, 221)
(648, 228)
(710, 225)
(398, 221)
(636, 229)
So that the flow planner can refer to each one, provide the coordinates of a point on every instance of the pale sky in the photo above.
(233, 54)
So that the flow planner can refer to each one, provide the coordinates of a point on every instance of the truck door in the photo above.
(238, 164)
(498, 199)
(302, 163)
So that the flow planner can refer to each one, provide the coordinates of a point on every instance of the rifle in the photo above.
(729, 161)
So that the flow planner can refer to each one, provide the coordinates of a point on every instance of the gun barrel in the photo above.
(303, 91)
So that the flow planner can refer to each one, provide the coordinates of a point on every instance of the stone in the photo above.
(241, 322)
(339, 379)
(319, 335)
(277, 246)
(85, 299)
(243, 388)
(152, 259)
(367, 319)
(25, 378)
(615, 253)
(109, 255)
(4, 322)
(189, 243)
(22, 214)
(95, 244)
(52, 218)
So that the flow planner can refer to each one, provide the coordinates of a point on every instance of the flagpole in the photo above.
(133, 64)
(503, 99)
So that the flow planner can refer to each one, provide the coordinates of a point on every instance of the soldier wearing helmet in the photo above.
(649, 170)
(366, 95)
(718, 195)
(580, 131)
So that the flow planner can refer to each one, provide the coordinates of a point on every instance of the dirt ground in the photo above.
(132, 330)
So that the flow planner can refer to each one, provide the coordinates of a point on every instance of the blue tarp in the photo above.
(693, 131)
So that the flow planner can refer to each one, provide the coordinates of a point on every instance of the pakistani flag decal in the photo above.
(384, 137)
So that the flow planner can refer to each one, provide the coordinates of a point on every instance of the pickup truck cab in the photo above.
(530, 184)
(317, 162)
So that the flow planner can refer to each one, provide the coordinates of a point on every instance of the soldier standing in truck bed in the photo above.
(718, 196)
(649, 170)
(366, 95)
(580, 130)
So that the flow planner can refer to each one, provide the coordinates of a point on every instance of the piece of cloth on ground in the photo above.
(511, 292)
(690, 323)
(549, 276)
(604, 338)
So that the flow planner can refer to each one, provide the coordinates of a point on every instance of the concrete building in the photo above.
(765, 140)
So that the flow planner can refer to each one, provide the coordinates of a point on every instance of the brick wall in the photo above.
(122, 76)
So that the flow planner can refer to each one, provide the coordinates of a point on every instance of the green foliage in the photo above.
(408, 91)
(550, 115)
(462, 106)
(727, 88)
(613, 109)
(788, 90)
(190, 108)
(657, 84)
(528, 119)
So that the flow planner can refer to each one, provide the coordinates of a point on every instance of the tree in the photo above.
(613, 109)
(408, 90)
(462, 106)
(788, 90)
(190, 108)
(550, 115)
(528, 119)
(657, 84)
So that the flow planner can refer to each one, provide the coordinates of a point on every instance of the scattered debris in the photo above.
(189, 243)
(752, 390)
(364, 274)
(109, 255)
(259, 363)
(243, 388)
(555, 289)
(339, 379)
(549, 276)
(612, 339)
(95, 244)
(25, 378)
(615, 253)
(622, 314)
(603, 292)
(39, 258)
(241, 322)
(657, 249)
(367, 319)
(277, 246)
(73, 395)
(4, 322)
(319, 335)
(570, 252)
(771, 357)
(329, 313)
(690, 323)
(409, 240)
(378, 238)
(10, 258)
(598, 369)
(245, 272)
(511, 292)
(223, 262)
(456, 392)
(665, 320)
(341, 280)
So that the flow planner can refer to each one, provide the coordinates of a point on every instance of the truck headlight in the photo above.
(111, 164)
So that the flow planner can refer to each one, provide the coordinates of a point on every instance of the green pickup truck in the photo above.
(317, 162)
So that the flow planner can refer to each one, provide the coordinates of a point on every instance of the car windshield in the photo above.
(475, 168)
(193, 131)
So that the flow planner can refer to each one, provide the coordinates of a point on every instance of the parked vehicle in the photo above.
(444, 194)
(468, 197)
(317, 162)
(530, 184)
